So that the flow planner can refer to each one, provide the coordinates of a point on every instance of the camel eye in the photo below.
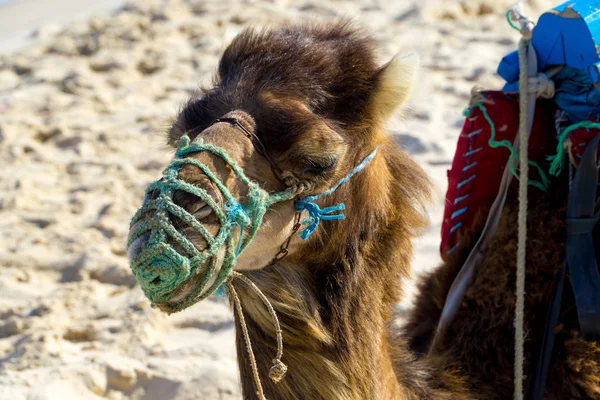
(316, 167)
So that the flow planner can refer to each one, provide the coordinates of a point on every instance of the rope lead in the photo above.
(279, 369)
(525, 121)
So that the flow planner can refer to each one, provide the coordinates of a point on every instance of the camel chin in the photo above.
(183, 291)
(252, 262)
(257, 256)
(274, 231)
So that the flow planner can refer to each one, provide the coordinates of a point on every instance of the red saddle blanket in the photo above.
(479, 162)
(576, 141)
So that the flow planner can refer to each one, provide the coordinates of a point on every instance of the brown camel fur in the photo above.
(481, 336)
(316, 98)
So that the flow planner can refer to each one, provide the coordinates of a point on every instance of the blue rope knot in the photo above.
(316, 214)
(237, 215)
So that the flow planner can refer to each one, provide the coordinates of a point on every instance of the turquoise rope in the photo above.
(510, 21)
(206, 171)
(557, 159)
(316, 214)
(159, 268)
(199, 145)
(543, 185)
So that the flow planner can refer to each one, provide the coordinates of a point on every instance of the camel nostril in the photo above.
(203, 211)
(136, 247)
(156, 281)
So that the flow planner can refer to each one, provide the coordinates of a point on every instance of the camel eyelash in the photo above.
(320, 166)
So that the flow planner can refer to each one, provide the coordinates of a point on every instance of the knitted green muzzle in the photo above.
(160, 268)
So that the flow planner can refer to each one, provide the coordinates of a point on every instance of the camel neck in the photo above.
(335, 346)
(335, 297)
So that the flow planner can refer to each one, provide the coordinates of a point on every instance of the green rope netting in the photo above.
(543, 184)
(169, 258)
(557, 159)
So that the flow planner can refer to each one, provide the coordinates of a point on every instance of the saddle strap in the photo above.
(585, 278)
(581, 258)
(543, 366)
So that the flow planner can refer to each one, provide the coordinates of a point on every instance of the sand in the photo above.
(83, 114)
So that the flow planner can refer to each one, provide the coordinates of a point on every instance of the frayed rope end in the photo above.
(278, 371)
(316, 214)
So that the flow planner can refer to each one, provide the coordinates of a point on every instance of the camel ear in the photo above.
(394, 84)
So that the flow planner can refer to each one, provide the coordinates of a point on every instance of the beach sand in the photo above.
(83, 114)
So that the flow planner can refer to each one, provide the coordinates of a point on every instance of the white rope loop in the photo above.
(522, 219)
(240, 313)
(517, 13)
(278, 370)
(539, 85)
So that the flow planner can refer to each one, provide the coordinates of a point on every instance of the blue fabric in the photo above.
(576, 94)
(561, 39)
(567, 35)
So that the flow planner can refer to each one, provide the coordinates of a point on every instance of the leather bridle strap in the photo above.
(540, 378)
(581, 258)
(260, 148)
(256, 142)
(582, 217)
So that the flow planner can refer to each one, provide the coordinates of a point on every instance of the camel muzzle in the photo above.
(165, 262)
(172, 272)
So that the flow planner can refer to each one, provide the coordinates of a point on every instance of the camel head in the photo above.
(292, 111)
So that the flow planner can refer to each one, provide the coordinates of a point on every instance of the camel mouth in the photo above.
(195, 287)
(188, 293)
(136, 247)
